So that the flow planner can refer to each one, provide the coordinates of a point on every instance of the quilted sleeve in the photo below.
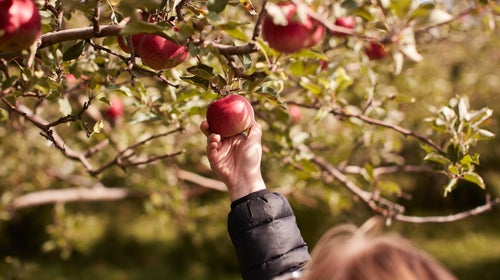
(265, 235)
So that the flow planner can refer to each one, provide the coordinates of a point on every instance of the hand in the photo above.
(236, 160)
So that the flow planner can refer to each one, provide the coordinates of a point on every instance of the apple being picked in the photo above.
(299, 32)
(159, 53)
(230, 115)
(20, 25)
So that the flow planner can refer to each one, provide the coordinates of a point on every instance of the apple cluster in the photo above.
(293, 35)
(288, 28)
(20, 25)
(155, 51)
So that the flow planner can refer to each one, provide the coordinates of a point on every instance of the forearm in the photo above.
(265, 235)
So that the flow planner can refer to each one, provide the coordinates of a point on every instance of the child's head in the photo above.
(348, 253)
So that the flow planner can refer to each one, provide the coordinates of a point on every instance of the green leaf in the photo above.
(98, 126)
(124, 90)
(473, 177)
(216, 6)
(438, 16)
(423, 10)
(484, 134)
(233, 30)
(310, 86)
(469, 160)
(74, 51)
(198, 81)
(273, 95)
(400, 7)
(438, 158)
(139, 26)
(452, 184)
(408, 46)
(201, 70)
(342, 79)
(218, 81)
(4, 115)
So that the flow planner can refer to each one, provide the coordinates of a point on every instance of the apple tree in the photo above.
(105, 100)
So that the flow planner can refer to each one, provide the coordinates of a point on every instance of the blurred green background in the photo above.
(171, 237)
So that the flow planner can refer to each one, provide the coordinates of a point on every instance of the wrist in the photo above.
(245, 187)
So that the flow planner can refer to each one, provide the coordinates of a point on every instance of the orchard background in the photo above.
(103, 171)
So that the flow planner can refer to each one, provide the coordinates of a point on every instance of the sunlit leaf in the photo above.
(452, 184)
(98, 127)
(408, 45)
(473, 177)
(438, 158)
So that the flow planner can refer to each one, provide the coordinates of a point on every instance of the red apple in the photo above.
(116, 109)
(136, 40)
(230, 115)
(158, 52)
(20, 25)
(346, 22)
(293, 36)
(375, 51)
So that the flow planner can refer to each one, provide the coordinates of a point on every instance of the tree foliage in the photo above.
(364, 124)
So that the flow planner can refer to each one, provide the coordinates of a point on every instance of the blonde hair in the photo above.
(349, 253)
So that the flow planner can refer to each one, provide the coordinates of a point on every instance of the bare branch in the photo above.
(72, 118)
(132, 66)
(391, 210)
(378, 171)
(257, 28)
(406, 132)
(394, 127)
(128, 152)
(485, 208)
(201, 181)
(83, 33)
(178, 9)
(72, 195)
(48, 133)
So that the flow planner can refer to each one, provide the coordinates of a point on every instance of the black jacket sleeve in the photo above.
(265, 235)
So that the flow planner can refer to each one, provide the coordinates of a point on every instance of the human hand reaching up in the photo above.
(236, 160)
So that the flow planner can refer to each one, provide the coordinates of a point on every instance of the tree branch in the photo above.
(48, 133)
(406, 132)
(201, 181)
(83, 33)
(391, 210)
(72, 195)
